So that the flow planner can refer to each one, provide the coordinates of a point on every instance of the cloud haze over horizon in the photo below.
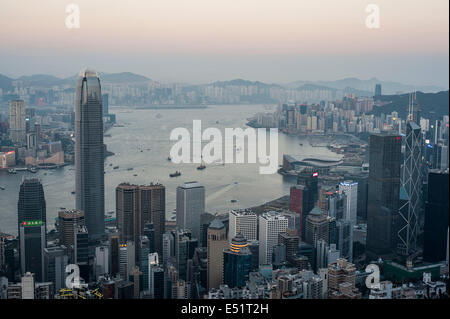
(207, 40)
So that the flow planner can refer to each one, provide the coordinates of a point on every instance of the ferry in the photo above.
(176, 174)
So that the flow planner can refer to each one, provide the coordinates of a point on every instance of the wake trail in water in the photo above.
(221, 191)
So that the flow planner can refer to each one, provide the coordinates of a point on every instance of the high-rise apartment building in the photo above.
(17, 125)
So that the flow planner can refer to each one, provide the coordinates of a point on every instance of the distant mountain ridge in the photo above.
(432, 105)
(347, 85)
(241, 82)
(45, 80)
(388, 87)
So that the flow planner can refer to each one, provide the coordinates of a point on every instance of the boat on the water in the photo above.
(201, 167)
(115, 167)
(177, 173)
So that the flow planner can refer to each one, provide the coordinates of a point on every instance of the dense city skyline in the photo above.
(146, 177)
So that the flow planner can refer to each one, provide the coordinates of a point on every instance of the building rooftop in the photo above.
(188, 185)
(216, 224)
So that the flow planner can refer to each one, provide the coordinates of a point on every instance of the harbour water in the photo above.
(141, 141)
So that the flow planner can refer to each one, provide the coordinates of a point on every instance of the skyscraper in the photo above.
(270, 225)
(155, 277)
(411, 181)
(55, 262)
(237, 262)
(31, 204)
(185, 246)
(101, 265)
(377, 90)
(310, 179)
(244, 222)
(190, 206)
(105, 104)
(291, 242)
(217, 243)
(81, 251)
(317, 227)
(32, 244)
(436, 218)
(350, 188)
(32, 226)
(153, 210)
(115, 254)
(344, 238)
(138, 206)
(89, 152)
(17, 125)
(384, 189)
(301, 202)
(68, 222)
(127, 213)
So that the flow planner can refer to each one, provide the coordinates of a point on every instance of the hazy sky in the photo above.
(207, 40)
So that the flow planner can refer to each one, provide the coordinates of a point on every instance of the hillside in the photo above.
(433, 105)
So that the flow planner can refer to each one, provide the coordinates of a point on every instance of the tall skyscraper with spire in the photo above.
(89, 152)
(411, 181)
